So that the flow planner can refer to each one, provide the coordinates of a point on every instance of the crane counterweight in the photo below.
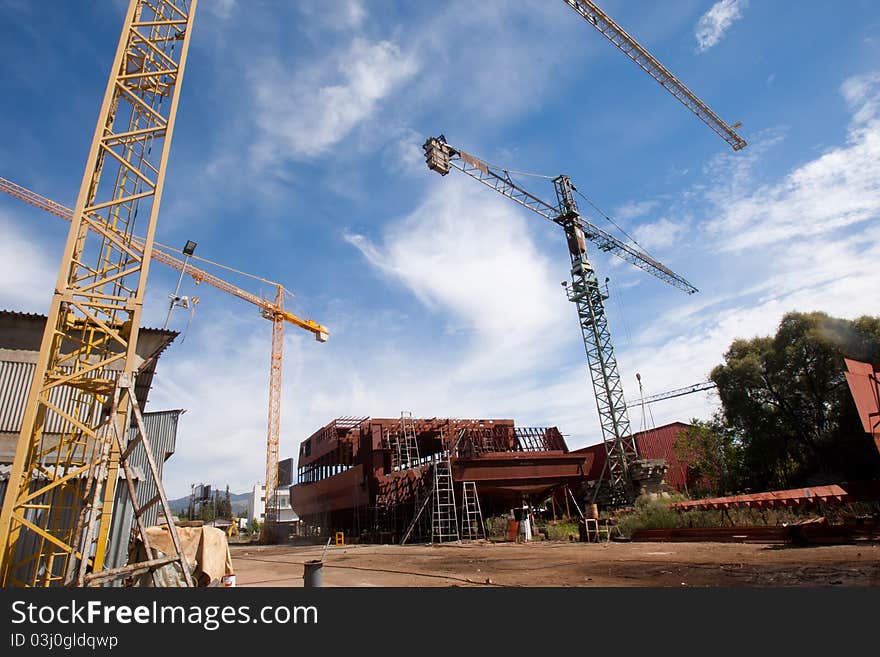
(437, 155)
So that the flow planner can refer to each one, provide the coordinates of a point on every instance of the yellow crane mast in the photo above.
(94, 318)
(273, 310)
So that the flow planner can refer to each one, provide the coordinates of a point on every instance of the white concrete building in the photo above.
(257, 505)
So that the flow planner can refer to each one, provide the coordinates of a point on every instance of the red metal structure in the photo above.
(654, 444)
(833, 494)
(355, 474)
(864, 384)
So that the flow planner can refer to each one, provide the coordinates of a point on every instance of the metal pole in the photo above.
(176, 292)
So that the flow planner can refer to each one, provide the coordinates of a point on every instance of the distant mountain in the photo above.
(239, 502)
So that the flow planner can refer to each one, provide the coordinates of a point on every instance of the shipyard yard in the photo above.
(614, 350)
(559, 564)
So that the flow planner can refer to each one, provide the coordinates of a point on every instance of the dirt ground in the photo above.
(552, 563)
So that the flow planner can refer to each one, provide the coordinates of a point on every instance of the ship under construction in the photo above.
(395, 479)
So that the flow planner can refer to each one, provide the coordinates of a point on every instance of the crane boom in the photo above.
(648, 63)
(670, 394)
(587, 295)
(440, 156)
(268, 308)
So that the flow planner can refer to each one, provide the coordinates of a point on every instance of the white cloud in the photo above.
(715, 22)
(333, 14)
(468, 257)
(403, 154)
(660, 234)
(304, 114)
(221, 8)
(839, 189)
(751, 285)
(483, 64)
(27, 273)
(634, 209)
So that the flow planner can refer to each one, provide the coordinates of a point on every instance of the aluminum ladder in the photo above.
(444, 523)
(407, 445)
(472, 527)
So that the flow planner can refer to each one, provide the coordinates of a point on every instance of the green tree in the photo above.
(206, 512)
(713, 453)
(786, 399)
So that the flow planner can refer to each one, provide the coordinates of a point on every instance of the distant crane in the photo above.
(669, 394)
(272, 310)
(648, 63)
(585, 292)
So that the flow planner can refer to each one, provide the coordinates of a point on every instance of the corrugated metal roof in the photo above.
(17, 373)
(37, 316)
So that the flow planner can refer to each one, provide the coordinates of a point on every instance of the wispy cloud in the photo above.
(304, 114)
(634, 209)
(221, 8)
(333, 14)
(714, 23)
(469, 258)
(27, 274)
(839, 189)
(775, 250)
(660, 234)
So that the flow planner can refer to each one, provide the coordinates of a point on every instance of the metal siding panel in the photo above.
(120, 527)
(161, 427)
(14, 385)
(660, 443)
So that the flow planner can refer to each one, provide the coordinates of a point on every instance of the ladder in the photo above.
(407, 445)
(444, 523)
(418, 525)
(78, 572)
(472, 527)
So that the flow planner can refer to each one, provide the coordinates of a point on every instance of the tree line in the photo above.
(787, 418)
(219, 507)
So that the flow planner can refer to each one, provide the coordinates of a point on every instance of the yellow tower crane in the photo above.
(272, 310)
(55, 519)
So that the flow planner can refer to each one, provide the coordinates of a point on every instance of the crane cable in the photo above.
(611, 221)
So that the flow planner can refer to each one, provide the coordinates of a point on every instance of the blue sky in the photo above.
(297, 157)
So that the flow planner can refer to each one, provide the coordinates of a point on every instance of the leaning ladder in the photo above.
(472, 527)
(444, 523)
(408, 446)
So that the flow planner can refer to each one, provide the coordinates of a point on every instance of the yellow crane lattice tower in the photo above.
(90, 339)
(272, 310)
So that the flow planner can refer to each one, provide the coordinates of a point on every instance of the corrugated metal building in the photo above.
(20, 337)
(161, 429)
(656, 443)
